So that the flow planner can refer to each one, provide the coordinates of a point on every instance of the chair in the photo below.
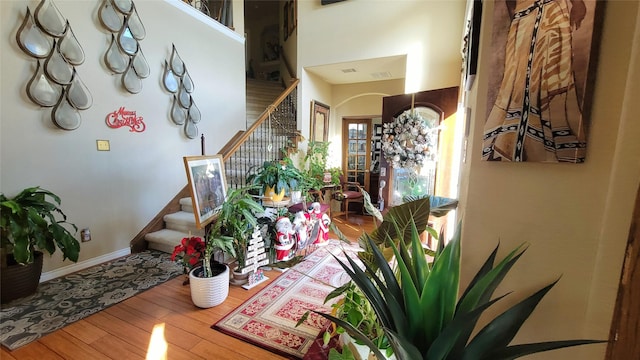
(350, 192)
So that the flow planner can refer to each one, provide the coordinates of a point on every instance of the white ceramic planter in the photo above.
(360, 352)
(209, 292)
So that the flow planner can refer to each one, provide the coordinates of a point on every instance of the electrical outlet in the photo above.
(85, 235)
(103, 145)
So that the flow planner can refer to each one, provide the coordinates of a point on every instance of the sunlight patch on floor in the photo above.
(157, 345)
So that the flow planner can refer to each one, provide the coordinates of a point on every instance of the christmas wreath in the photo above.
(409, 140)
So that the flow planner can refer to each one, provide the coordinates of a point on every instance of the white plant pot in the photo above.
(360, 352)
(209, 292)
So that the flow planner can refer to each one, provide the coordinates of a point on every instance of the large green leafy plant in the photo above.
(421, 311)
(33, 220)
(278, 174)
(234, 223)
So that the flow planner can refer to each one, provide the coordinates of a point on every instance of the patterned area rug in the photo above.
(62, 301)
(268, 319)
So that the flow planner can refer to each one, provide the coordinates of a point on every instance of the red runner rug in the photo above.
(268, 319)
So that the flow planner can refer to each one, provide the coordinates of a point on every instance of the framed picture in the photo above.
(378, 129)
(471, 42)
(207, 185)
(538, 102)
(319, 121)
(292, 14)
(285, 23)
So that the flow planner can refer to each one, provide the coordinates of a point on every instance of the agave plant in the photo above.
(422, 314)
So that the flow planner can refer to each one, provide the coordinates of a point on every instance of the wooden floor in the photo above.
(124, 331)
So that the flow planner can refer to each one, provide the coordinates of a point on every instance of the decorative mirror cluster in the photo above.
(124, 55)
(176, 80)
(48, 37)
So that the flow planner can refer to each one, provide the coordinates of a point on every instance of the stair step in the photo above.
(165, 240)
(182, 221)
(186, 205)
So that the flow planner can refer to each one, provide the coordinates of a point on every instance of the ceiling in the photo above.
(385, 68)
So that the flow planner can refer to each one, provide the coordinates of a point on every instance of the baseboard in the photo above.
(83, 265)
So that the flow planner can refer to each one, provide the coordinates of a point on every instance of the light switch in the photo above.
(103, 145)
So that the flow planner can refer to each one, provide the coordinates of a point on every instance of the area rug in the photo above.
(268, 319)
(64, 300)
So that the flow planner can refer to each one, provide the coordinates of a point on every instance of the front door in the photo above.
(443, 103)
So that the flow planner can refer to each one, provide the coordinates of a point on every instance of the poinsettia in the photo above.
(189, 253)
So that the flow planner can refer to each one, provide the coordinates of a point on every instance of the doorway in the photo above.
(356, 150)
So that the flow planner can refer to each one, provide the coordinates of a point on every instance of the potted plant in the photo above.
(208, 277)
(234, 223)
(31, 222)
(275, 178)
(421, 312)
(208, 280)
(317, 171)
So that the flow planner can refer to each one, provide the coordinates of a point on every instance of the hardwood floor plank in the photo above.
(117, 349)
(121, 329)
(174, 335)
(5, 354)
(85, 331)
(69, 347)
(147, 307)
(33, 351)
(209, 350)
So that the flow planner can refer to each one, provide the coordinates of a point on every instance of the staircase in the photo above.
(180, 224)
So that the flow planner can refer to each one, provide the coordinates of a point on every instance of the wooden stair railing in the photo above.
(264, 140)
(234, 145)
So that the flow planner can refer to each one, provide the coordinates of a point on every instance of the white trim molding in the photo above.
(49, 275)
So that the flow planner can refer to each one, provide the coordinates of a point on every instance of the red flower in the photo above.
(189, 252)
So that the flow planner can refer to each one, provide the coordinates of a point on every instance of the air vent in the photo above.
(351, 70)
(381, 75)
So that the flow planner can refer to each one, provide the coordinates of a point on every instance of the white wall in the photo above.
(117, 193)
(574, 216)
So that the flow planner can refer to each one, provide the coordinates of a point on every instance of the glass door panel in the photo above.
(357, 150)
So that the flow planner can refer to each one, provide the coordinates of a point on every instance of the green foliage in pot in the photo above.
(354, 308)
(234, 224)
(396, 224)
(316, 165)
(421, 311)
(33, 220)
(279, 174)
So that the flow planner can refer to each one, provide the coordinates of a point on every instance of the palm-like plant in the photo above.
(235, 222)
(419, 307)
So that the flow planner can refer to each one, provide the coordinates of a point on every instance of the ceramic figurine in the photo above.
(301, 226)
(322, 221)
(284, 245)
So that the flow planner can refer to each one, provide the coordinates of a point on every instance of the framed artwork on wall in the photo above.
(319, 121)
(207, 185)
(539, 97)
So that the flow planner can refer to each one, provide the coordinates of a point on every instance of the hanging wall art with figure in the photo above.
(540, 82)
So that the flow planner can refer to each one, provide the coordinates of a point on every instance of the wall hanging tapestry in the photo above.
(540, 81)
(268, 319)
